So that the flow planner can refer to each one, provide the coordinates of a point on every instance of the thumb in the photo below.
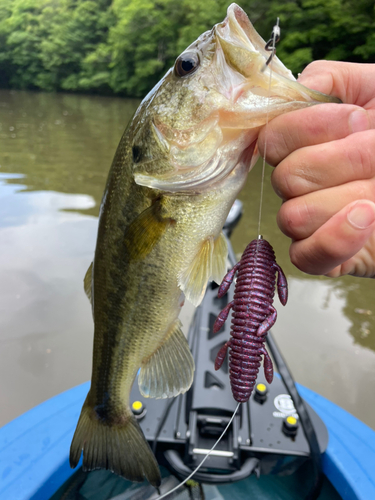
(336, 242)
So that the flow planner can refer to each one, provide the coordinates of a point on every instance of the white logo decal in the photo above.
(285, 406)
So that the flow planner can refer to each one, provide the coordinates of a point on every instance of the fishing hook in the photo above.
(271, 44)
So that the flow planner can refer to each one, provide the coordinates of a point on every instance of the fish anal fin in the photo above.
(119, 447)
(170, 369)
(193, 280)
(219, 258)
(87, 282)
(146, 230)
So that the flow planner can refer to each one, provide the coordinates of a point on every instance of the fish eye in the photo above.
(186, 64)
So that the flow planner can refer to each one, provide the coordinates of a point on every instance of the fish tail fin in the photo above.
(121, 447)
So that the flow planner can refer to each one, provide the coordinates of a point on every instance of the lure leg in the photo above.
(227, 281)
(222, 317)
(267, 365)
(282, 285)
(221, 355)
(268, 322)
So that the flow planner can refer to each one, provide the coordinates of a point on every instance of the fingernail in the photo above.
(362, 215)
(358, 121)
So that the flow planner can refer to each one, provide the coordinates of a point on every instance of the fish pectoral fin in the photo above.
(119, 447)
(219, 259)
(170, 370)
(146, 230)
(193, 280)
(87, 282)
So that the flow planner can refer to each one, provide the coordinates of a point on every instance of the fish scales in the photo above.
(178, 168)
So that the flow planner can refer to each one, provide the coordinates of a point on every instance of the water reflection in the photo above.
(63, 142)
(44, 317)
(55, 152)
(359, 308)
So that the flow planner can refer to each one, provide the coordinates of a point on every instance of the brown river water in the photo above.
(55, 152)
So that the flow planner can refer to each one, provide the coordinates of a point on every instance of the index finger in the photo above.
(326, 122)
(309, 127)
(353, 83)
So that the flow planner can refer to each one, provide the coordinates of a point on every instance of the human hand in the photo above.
(325, 175)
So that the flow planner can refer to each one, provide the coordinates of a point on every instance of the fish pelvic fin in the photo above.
(118, 447)
(219, 259)
(87, 282)
(209, 262)
(193, 280)
(170, 369)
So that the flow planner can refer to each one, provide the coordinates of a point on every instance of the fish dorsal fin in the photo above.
(87, 282)
(219, 259)
(169, 371)
(193, 280)
(146, 230)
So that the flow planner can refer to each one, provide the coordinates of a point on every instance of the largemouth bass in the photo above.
(177, 170)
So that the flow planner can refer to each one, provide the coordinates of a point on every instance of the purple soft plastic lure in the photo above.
(253, 315)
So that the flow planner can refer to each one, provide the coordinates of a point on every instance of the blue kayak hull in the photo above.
(34, 448)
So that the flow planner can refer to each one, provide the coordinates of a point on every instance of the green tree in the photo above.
(5, 60)
(125, 46)
(143, 43)
(73, 33)
(45, 42)
(324, 29)
(23, 33)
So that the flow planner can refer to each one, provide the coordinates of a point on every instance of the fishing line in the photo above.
(205, 458)
(161, 424)
(271, 46)
(282, 367)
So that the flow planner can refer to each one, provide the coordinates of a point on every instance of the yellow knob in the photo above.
(137, 406)
(291, 420)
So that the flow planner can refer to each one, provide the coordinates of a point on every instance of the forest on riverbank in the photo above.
(125, 46)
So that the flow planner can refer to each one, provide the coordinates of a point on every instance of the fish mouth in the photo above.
(242, 57)
(240, 39)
